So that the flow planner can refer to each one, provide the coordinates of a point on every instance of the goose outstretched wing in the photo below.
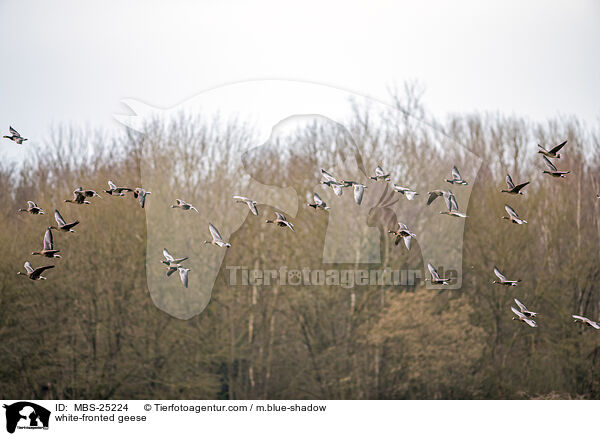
(328, 177)
(168, 255)
(215, 233)
(433, 271)
(183, 274)
(549, 164)
(521, 305)
(59, 219)
(39, 270)
(455, 173)
(337, 189)
(450, 199)
(499, 274)
(509, 182)
(558, 147)
(531, 322)
(48, 241)
(359, 191)
(433, 195)
(511, 212)
(516, 312)
(317, 199)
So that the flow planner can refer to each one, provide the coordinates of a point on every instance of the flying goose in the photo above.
(318, 203)
(89, 193)
(402, 233)
(553, 152)
(140, 194)
(79, 197)
(435, 277)
(587, 321)
(522, 317)
(503, 280)
(172, 263)
(452, 206)
(281, 221)
(116, 190)
(14, 136)
(512, 215)
(512, 189)
(435, 194)
(33, 209)
(456, 178)
(553, 170)
(216, 237)
(380, 175)
(332, 182)
(407, 192)
(524, 311)
(48, 250)
(183, 205)
(34, 274)
(183, 274)
(170, 260)
(250, 203)
(62, 225)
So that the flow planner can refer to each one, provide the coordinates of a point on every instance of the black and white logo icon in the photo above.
(26, 415)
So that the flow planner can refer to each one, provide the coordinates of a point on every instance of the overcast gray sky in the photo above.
(73, 61)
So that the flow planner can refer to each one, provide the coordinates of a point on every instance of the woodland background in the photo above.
(91, 331)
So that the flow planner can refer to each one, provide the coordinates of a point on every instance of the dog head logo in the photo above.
(300, 147)
(26, 415)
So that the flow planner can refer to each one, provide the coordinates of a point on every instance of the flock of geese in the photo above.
(401, 233)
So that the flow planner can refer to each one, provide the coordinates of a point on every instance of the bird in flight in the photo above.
(62, 224)
(512, 215)
(456, 178)
(281, 221)
(552, 152)
(15, 136)
(587, 321)
(524, 310)
(503, 280)
(116, 190)
(407, 192)
(140, 194)
(217, 240)
(250, 203)
(34, 274)
(380, 175)
(435, 277)
(318, 203)
(522, 317)
(512, 188)
(452, 206)
(32, 208)
(552, 170)
(403, 234)
(332, 182)
(48, 250)
(183, 205)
